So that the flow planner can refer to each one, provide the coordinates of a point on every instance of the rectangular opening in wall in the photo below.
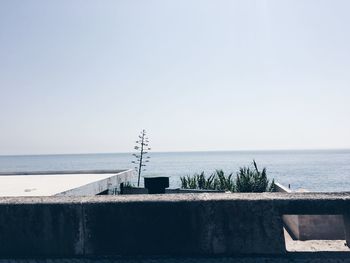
(308, 233)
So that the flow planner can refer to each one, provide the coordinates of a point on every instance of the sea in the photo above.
(313, 170)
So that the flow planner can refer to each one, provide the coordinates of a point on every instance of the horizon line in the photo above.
(181, 151)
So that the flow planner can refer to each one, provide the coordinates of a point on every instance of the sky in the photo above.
(88, 76)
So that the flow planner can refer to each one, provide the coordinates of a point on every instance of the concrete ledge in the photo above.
(71, 183)
(113, 180)
(169, 225)
(63, 172)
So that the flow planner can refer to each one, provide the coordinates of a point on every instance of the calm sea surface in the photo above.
(327, 170)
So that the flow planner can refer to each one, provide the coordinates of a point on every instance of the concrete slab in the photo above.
(71, 183)
(314, 245)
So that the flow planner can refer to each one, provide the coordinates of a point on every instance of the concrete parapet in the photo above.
(68, 183)
(169, 225)
(113, 181)
(310, 227)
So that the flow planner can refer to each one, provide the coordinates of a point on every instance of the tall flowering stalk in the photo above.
(142, 148)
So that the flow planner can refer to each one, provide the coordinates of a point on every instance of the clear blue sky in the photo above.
(87, 76)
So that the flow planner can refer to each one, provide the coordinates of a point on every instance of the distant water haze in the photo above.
(315, 170)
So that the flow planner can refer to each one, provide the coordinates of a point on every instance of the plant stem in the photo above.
(141, 154)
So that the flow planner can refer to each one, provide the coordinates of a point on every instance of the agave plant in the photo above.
(216, 181)
(223, 182)
(244, 180)
(248, 180)
(184, 183)
(192, 182)
(251, 180)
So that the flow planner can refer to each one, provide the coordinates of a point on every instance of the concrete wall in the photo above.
(330, 227)
(71, 183)
(311, 227)
(100, 186)
(173, 225)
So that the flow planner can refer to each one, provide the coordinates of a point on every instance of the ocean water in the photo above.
(314, 170)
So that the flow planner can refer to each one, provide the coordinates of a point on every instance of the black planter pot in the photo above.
(156, 185)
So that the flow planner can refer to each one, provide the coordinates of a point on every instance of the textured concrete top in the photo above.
(191, 197)
(48, 183)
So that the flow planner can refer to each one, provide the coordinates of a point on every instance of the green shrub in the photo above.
(216, 181)
(222, 182)
(251, 180)
(248, 180)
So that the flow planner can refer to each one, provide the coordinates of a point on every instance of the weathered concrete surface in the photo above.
(310, 227)
(321, 227)
(315, 227)
(72, 183)
(184, 228)
(40, 229)
(314, 245)
(171, 225)
(103, 184)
